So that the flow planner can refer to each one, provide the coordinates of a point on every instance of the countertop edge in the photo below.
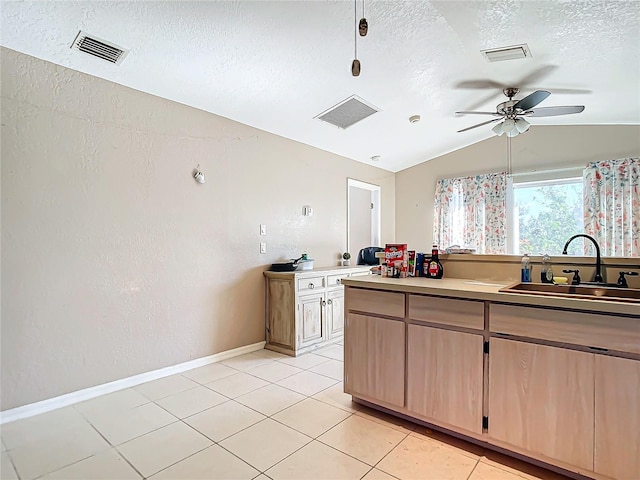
(488, 291)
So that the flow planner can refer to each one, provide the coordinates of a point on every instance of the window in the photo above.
(545, 215)
(543, 211)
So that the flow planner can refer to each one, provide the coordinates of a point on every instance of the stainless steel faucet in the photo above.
(598, 276)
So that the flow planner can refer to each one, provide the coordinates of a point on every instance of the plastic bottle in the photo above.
(546, 274)
(525, 270)
(434, 266)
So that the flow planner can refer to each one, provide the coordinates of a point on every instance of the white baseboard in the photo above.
(43, 406)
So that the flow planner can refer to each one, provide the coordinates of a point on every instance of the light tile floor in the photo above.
(257, 416)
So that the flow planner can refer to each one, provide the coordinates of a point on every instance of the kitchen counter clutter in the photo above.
(305, 309)
(555, 380)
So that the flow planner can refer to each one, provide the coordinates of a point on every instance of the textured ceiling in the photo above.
(276, 65)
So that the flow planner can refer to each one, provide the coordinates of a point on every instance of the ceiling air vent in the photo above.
(507, 53)
(347, 112)
(99, 48)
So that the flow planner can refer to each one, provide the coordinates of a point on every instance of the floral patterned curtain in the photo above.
(471, 212)
(612, 206)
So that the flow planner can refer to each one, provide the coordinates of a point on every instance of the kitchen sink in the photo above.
(593, 292)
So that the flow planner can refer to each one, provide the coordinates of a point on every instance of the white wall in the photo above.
(114, 260)
(541, 148)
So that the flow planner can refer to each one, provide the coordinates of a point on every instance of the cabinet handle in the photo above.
(329, 301)
(338, 281)
(324, 303)
(312, 286)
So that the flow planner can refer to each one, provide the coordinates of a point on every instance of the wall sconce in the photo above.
(198, 175)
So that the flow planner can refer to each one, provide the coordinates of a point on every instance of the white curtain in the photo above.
(612, 206)
(471, 212)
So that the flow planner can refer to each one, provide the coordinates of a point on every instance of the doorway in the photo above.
(363, 216)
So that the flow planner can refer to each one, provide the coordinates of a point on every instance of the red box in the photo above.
(396, 255)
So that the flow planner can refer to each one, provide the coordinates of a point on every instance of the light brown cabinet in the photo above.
(305, 310)
(557, 385)
(541, 400)
(617, 417)
(444, 376)
(374, 358)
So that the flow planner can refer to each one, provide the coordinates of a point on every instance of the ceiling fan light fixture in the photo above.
(522, 125)
(513, 133)
(508, 125)
(498, 130)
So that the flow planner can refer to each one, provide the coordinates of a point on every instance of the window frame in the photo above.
(512, 185)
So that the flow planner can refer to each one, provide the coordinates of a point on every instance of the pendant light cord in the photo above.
(355, 30)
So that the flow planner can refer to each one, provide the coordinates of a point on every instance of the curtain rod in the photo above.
(555, 170)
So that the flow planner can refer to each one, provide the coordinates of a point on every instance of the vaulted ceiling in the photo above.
(276, 65)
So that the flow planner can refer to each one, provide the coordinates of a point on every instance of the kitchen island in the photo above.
(556, 380)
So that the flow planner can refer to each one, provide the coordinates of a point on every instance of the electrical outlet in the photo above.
(263, 247)
(263, 229)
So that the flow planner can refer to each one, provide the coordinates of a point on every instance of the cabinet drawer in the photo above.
(447, 311)
(336, 280)
(310, 283)
(591, 330)
(375, 302)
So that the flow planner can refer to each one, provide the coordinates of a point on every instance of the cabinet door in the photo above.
(310, 310)
(280, 315)
(374, 358)
(617, 417)
(335, 312)
(541, 399)
(445, 376)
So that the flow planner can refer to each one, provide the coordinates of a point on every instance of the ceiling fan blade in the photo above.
(479, 125)
(554, 111)
(569, 91)
(467, 112)
(533, 77)
(530, 101)
(478, 84)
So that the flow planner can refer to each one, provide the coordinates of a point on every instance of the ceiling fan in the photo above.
(512, 113)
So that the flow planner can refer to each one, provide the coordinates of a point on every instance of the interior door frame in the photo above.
(375, 212)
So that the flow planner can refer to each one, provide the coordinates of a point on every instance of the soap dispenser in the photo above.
(525, 269)
(546, 274)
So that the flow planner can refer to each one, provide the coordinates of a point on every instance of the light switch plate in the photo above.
(263, 247)
(263, 229)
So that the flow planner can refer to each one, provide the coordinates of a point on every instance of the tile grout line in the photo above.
(474, 468)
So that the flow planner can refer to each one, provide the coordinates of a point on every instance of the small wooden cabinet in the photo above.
(617, 417)
(444, 376)
(305, 310)
(374, 358)
(541, 400)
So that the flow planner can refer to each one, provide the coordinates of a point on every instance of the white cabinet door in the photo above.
(335, 312)
(311, 328)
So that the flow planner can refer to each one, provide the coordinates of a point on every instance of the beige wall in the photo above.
(542, 148)
(114, 260)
